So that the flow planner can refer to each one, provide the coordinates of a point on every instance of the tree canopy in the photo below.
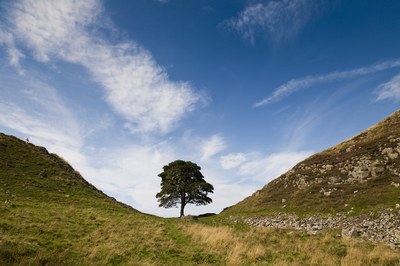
(183, 183)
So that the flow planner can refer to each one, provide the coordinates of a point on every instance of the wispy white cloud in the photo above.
(135, 85)
(268, 167)
(212, 146)
(14, 55)
(390, 89)
(26, 122)
(281, 20)
(262, 168)
(229, 188)
(130, 174)
(232, 160)
(35, 110)
(309, 81)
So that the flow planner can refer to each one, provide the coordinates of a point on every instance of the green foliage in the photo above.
(183, 183)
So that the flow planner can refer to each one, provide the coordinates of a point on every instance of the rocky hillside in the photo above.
(353, 186)
(359, 175)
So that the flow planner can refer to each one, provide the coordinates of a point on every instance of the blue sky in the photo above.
(244, 88)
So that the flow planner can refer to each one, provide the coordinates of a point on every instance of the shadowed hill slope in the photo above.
(359, 175)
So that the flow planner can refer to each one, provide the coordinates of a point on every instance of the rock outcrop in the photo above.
(359, 168)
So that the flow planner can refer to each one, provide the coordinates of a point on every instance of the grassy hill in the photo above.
(49, 215)
(357, 176)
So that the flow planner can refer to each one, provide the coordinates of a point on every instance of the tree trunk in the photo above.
(183, 203)
(182, 208)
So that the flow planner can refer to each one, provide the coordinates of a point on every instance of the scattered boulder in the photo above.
(352, 233)
(42, 150)
(390, 153)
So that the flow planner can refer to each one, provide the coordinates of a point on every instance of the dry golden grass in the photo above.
(380, 254)
(282, 247)
(224, 240)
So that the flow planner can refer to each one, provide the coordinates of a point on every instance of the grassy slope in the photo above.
(50, 215)
(56, 216)
(378, 193)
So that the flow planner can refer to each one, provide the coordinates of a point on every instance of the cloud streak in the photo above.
(135, 86)
(14, 55)
(309, 81)
(232, 160)
(35, 110)
(390, 89)
(280, 20)
(263, 168)
(211, 147)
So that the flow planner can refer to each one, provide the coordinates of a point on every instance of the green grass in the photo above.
(49, 215)
(53, 215)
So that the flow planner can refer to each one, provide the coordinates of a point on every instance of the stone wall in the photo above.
(383, 226)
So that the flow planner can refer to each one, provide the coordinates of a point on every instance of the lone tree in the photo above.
(183, 183)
